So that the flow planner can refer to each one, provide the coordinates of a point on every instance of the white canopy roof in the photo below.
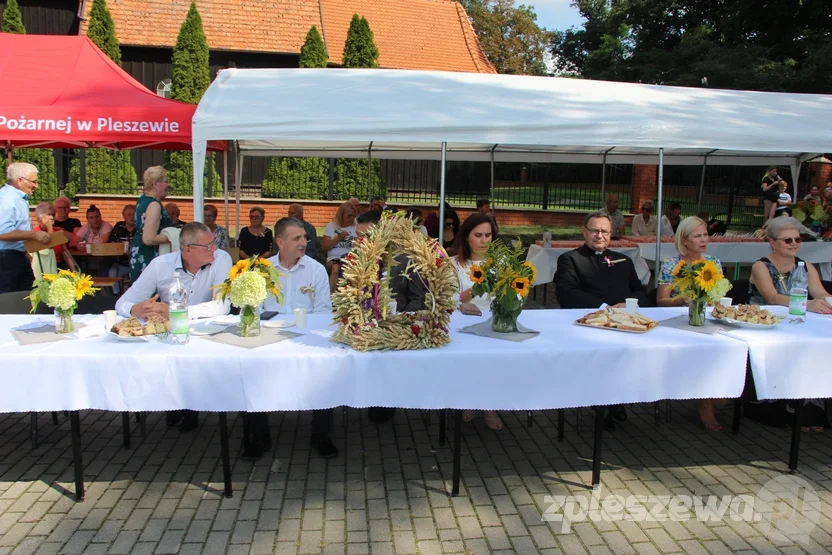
(408, 114)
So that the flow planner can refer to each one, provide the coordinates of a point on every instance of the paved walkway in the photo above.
(387, 490)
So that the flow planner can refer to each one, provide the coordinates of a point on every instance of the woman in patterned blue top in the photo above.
(691, 242)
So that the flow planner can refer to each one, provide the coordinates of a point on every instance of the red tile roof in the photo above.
(410, 34)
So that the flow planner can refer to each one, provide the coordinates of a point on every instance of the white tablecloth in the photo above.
(546, 262)
(817, 252)
(789, 360)
(565, 366)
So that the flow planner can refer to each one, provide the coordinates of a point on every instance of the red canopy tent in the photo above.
(63, 92)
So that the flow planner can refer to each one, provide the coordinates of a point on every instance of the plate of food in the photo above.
(744, 316)
(618, 319)
(132, 329)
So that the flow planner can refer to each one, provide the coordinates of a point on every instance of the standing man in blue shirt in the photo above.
(16, 227)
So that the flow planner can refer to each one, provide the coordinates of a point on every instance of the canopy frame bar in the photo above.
(491, 194)
(658, 227)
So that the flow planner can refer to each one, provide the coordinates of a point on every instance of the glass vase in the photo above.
(63, 321)
(502, 319)
(696, 312)
(249, 321)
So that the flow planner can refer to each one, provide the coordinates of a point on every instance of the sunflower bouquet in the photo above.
(249, 283)
(504, 275)
(702, 282)
(812, 214)
(62, 291)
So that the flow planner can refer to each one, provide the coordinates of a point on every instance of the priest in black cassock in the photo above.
(592, 275)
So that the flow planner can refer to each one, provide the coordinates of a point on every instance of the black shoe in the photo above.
(172, 417)
(324, 446)
(619, 413)
(255, 449)
(190, 421)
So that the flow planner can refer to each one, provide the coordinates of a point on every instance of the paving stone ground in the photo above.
(387, 491)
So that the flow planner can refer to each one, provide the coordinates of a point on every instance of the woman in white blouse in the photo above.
(469, 248)
(644, 224)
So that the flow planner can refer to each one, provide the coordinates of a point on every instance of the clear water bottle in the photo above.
(798, 293)
(180, 329)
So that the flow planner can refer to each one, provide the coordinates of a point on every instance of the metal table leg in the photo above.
(226, 455)
(561, 423)
(794, 452)
(77, 463)
(457, 449)
(596, 452)
(442, 424)
(735, 427)
(33, 425)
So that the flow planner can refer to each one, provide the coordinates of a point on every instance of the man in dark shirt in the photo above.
(64, 222)
(592, 275)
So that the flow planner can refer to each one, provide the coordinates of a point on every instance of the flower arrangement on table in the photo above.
(249, 283)
(362, 300)
(504, 275)
(812, 214)
(62, 291)
(702, 282)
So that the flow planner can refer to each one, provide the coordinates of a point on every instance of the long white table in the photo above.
(565, 366)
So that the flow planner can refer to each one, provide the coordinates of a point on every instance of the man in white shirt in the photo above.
(616, 216)
(201, 267)
(305, 284)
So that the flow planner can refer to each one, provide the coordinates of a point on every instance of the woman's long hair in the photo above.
(461, 248)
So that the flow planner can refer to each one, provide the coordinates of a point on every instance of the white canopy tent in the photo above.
(343, 113)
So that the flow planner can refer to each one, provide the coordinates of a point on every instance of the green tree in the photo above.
(510, 36)
(44, 160)
(360, 47)
(313, 52)
(102, 30)
(107, 171)
(190, 77)
(12, 20)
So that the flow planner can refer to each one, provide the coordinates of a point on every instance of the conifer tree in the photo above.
(12, 20)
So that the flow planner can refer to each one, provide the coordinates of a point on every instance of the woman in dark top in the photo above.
(256, 238)
(450, 229)
(771, 190)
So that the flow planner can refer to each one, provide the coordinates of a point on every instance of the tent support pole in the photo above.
(442, 195)
(658, 227)
(491, 197)
(603, 177)
(370, 172)
(702, 183)
(9, 150)
(237, 179)
(225, 184)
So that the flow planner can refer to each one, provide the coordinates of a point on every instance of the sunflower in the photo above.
(84, 287)
(237, 269)
(66, 273)
(50, 277)
(677, 271)
(531, 267)
(263, 262)
(521, 286)
(477, 275)
(708, 276)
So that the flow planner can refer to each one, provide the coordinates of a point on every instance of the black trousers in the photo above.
(15, 272)
(256, 425)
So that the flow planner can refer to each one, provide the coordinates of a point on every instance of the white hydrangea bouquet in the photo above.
(62, 291)
(249, 283)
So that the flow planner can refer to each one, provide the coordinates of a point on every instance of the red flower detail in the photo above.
(415, 329)
(344, 321)
(350, 257)
(438, 262)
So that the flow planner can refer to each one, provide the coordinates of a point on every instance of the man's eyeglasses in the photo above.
(35, 182)
(598, 231)
(212, 246)
(790, 240)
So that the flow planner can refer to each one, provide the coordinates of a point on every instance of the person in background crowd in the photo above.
(256, 238)
(784, 201)
(814, 194)
(123, 232)
(644, 223)
(484, 207)
(45, 261)
(96, 230)
(202, 268)
(471, 243)
(305, 284)
(670, 221)
(220, 233)
(337, 241)
(431, 222)
(715, 226)
(416, 215)
(150, 219)
(296, 212)
(450, 229)
(616, 216)
(592, 275)
(356, 204)
(770, 190)
(64, 222)
(379, 204)
(173, 212)
(16, 227)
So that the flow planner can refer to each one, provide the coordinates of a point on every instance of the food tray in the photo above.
(613, 329)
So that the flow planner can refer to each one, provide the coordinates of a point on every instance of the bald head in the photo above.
(296, 211)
